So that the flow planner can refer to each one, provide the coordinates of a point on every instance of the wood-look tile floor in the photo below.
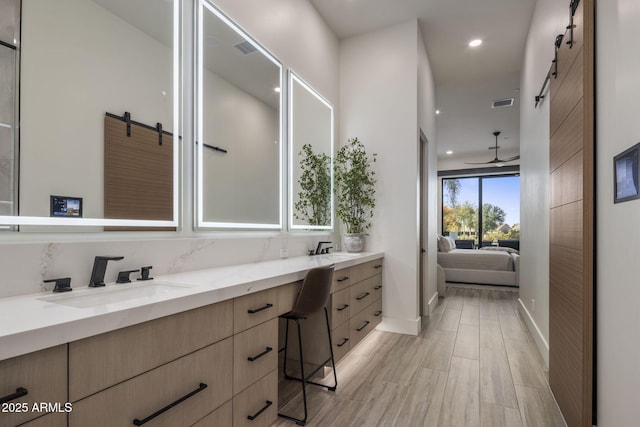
(474, 364)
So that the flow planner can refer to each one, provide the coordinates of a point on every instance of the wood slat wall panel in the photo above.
(138, 174)
(567, 140)
(571, 224)
(567, 94)
(566, 55)
(566, 225)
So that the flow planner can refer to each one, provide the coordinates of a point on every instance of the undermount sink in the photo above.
(111, 294)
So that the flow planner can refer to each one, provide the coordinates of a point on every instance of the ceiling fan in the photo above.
(498, 162)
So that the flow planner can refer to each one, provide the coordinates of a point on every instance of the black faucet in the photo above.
(99, 268)
(319, 249)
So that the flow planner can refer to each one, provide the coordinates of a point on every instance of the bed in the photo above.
(493, 266)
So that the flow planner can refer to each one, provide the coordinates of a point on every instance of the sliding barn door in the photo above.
(571, 264)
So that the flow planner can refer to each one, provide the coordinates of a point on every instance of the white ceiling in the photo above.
(467, 79)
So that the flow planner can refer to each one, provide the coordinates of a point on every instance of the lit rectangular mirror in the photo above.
(310, 158)
(98, 115)
(239, 150)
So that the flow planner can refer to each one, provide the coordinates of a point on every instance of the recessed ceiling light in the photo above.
(475, 43)
(437, 111)
(276, 89)
(449, 152)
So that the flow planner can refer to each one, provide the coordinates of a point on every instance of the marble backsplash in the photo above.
(24, 266)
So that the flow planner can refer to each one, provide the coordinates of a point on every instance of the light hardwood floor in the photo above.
(474, 364)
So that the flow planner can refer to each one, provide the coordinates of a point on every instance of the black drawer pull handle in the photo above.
(342, 279)
(377, 266)
(138, 422)
(378, 287)
(342, 307)
(256, 310)
(20, 391)
(253, 358)
(363, 296)
(344, 341)
(364, 325)
(257, 414)
(377, 313)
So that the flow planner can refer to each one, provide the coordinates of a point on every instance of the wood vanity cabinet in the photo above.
(200, 379)
(365, 301)
(43, 375)
(49, 420)
(215, 365)
(255, 370)
(107, 359)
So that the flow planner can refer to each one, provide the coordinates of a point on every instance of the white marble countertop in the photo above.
(37, 321)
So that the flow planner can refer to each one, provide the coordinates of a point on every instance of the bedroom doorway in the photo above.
(423, 293)
(497, 223)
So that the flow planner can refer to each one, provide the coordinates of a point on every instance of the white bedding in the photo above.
(470, 259)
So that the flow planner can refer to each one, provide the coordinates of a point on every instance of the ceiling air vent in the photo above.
(502, 103)
(245, 47)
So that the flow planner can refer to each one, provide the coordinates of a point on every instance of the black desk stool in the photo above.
(313, 297)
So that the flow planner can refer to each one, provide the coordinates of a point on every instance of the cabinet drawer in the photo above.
(341, 280)
(367, 269)
(43, 374)
(221, 417)
(341, 341)
(287, 295)
(362, 294)
(50, 420)
(104, 360)
(260, 402)
(146, 394)
(359, 326)
(259, 344)
(253, 309)
(375, 311)
(340, 307)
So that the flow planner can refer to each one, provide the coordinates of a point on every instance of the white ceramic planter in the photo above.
(353, 242)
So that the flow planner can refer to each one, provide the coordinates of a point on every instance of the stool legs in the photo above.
(303, 378)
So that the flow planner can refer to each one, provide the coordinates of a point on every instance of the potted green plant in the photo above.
(355, 192)
(314, 198)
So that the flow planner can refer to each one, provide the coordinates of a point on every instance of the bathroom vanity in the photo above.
(205, 340)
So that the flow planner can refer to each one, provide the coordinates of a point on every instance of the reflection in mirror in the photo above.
(310, 157)
(9, 36)
(239, 105)
(79, 61)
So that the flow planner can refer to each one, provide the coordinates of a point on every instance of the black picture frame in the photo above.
(65, 207)
(626, 185)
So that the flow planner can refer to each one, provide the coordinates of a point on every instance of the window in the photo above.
(498, 220)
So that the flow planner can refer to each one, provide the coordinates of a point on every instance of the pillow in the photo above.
(451, 242)
(445, 244)
(501, 249)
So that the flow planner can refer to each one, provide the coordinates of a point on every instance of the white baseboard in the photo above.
(433, 303)
(400, 326)
(541, 342)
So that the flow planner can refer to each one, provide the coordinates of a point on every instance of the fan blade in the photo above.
(484, 163)
(510, 159)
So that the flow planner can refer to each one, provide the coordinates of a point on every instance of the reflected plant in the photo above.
(314, 198)
(355, 186)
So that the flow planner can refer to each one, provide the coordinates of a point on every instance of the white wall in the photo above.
(241, 185)
(618, 235)
(78, 62)
(293, 31)
(549, 19)
(427, 123)
(378, 103)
